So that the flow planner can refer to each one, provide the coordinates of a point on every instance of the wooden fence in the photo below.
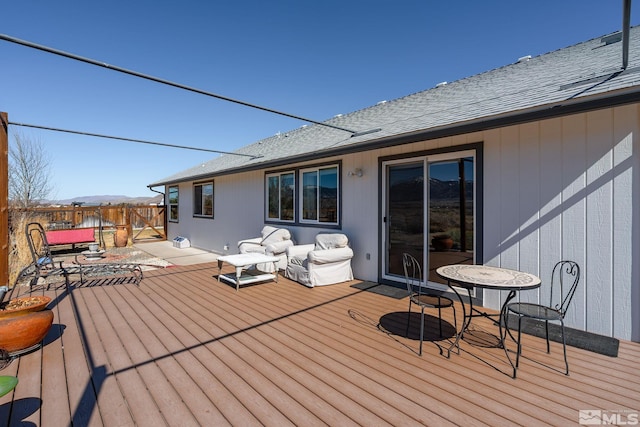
(137, 218)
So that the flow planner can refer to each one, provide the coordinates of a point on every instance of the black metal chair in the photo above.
(418, 295)
(564, 281)
(43, 263)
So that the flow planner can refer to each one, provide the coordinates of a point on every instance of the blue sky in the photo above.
(311, 59)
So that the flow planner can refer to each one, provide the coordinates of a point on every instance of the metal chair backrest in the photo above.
(412, 273)
(564, 281)
(38, 245)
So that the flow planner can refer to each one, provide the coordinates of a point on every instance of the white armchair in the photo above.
(326, 262)
(274, 241)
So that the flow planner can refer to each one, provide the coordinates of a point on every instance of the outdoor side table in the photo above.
(244, 275)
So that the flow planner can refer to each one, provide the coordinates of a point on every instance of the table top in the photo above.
(94, 254)
(484, 276)
(239, 260)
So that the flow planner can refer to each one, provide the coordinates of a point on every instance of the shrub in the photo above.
(19, 253)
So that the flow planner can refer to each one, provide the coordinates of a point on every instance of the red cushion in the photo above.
(73, 235)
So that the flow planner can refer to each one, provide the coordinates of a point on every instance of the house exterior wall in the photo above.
(566, 191)
(563, 188)
(238, 207)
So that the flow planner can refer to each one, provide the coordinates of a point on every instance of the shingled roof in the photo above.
(581, 77)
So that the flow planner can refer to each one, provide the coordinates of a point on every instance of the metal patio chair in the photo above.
(421, 296)
(564, 281)
(43, 263)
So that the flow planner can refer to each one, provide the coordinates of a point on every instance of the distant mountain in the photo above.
(108, 200)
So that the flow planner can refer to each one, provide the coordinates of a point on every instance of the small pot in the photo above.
(442, 242)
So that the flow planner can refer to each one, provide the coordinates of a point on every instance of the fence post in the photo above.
(128, 222)
(4, 199)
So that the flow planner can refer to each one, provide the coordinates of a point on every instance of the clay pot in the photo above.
(121, 236)
(23, 305)
(442, 242)
(21, 332)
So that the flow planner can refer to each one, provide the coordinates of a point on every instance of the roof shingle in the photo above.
(584, 71)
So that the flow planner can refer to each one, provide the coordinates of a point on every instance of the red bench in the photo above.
(71, 236)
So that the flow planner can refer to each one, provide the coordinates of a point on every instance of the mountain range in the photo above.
(108, 200)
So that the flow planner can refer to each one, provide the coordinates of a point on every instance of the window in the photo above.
(319, 195)
(173, 203)
(314, 201)
(203, 200)
(281, 196)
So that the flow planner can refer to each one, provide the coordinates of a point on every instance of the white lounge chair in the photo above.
(326, 262)
(274, 242)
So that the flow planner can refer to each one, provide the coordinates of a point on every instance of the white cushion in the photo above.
(331, 241)
(274, 235)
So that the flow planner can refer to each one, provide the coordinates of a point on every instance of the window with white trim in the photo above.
(173, 203)
(280, 196)
(203, 199)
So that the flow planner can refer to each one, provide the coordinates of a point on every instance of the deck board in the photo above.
(55, 381)
(29, 386)
(445, 392)
(139, 400)
(158, 376)
(167, 367)
(110, 401)
(184, 349)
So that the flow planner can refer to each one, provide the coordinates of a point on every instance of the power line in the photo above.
(163, 81)
(141, 141)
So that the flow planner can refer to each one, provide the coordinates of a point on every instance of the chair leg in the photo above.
(455, 319)
(421, 330)
(546, 330)
(519, 349)
(408, 318)
(564, 348)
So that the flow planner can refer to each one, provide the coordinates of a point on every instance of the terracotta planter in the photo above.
(21, 332)
(121, 236)
(442, 242)
(23, 305)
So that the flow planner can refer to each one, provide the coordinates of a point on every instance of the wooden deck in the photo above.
(182, 349)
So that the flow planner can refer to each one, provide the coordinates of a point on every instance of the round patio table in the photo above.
(470, 276)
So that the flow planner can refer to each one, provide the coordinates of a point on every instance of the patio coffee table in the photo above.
(95, 267)
(244, 276)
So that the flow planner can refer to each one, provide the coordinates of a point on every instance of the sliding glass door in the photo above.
(405, 214)
(433, 222)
